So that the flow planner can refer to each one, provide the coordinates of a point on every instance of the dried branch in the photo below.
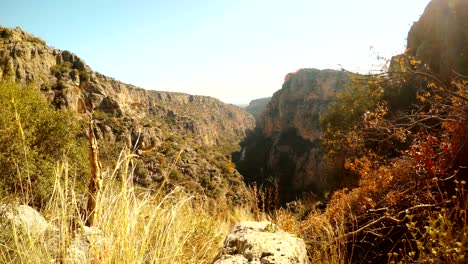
(95, 182)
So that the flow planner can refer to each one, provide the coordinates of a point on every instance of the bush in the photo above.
(410, 203)
(60, 70)
(6, 33)
(347, 112)
(33, 137)
(37, 40)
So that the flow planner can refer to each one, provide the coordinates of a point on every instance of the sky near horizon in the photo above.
(235, 50)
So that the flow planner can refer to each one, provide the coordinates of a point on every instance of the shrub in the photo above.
(37, 40)
(410, 204)
(33, 137)
(6, 33)
(59, 70)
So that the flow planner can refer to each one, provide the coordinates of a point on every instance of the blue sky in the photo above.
(234, 50)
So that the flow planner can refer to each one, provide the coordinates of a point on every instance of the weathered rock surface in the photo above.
(23, 218)
(286, 143)
(261, 242)
(31, 225)
(440, 37)
(79, 249)
(257, 107)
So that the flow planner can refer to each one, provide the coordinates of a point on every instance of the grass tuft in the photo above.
(132, 226)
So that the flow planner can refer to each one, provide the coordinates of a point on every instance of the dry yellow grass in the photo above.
(136, 226)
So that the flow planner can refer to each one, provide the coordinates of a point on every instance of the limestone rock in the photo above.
(24, 218)
(29, 222)
(257, 107)
(300, 101)
(261, 242)
(79, 249)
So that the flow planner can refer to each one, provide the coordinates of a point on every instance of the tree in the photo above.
(33, 137)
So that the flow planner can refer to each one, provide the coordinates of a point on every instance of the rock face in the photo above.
(440, 37)
(298, 104)
(286, 143)
(261, 242)
(25, 220)
(186, 136)
(257, 106)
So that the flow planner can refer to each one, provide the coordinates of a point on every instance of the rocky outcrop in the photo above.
(80, 246)
(440, 37)
(184, 136)
(286, 144)
(257, 106)
(298, 104)
(19, 222)
(261, 242)
(22, 218)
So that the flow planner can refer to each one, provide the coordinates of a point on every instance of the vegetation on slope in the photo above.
(33, 137)
(187, 137)
(44, 162)
(409, 165)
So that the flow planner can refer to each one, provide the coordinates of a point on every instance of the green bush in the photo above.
(33, 138)
(62, 69)
(352, 103)
(37, 40)
(84, 76)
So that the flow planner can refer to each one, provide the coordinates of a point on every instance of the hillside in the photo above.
(188, 137)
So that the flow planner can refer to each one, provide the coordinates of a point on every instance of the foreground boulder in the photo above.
(80, 246)
(261, 242)
(23, 218)
(24, 228)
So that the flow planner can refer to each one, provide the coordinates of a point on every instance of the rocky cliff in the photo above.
(285, 147)
(440, 37)
(193, 135)
(257, 106)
